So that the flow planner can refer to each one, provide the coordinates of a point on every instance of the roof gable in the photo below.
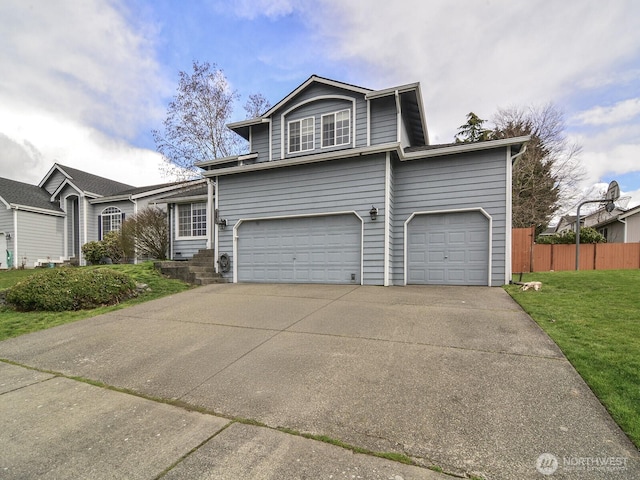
(17, 193)
(85, 182)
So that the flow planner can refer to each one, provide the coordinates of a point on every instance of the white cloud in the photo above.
(610, 150)
(82, 60)
(72, 144)
(478, 55)
(80, 79)
(620, 112)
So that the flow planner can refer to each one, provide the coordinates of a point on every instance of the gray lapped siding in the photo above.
(315, 109)
(450, 183)
(384, 120)
(33, 243)
(446, 183)
(328, 187)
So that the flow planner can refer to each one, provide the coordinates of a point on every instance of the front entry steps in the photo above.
(199, 270)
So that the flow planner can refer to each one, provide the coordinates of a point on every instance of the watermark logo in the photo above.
(547, 464)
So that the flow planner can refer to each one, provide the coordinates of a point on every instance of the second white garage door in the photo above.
(322, 249)
(448, 249)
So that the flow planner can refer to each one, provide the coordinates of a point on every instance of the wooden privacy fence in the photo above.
(528, 256)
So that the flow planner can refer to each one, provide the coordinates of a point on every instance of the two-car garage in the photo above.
(313, 249)
(445, 248)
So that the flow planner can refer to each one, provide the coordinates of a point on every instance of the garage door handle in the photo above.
(446, 256)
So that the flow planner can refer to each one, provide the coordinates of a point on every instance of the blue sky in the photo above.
(84, 82)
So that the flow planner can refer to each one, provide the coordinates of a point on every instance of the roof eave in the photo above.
(29, 208)
(309, 81)
(465, 147)
(305, 159)
(168, 189)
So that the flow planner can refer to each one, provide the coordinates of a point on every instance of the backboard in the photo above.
(613, 192)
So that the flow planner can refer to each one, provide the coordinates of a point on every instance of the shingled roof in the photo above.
(88, 182)
(19, 193)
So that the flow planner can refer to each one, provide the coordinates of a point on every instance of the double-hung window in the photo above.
(192, 220)
(336, 128)
(301, 133)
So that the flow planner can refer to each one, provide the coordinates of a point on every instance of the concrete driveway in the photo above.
(456, 378)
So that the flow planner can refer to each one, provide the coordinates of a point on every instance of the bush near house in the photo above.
(587, 235)
(68, 289)
(109, 248)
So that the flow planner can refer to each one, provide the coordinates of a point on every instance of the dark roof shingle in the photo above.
(20, 193)
(88, 182)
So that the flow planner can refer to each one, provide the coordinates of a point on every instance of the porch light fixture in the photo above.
(222, 223)
(8, 236)
(373, 213)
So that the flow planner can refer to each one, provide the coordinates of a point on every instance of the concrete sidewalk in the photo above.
(454, 377)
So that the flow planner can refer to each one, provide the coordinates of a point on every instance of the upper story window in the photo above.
(110, 221)
(192, 220)
(301, 135)
(336, 128)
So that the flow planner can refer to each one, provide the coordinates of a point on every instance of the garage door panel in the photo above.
(324, 249)
(448, 248)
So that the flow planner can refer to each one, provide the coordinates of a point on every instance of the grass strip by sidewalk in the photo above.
(13, 323)
(594, 317)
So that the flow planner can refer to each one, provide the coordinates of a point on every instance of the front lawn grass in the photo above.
(13, 323)
(594, 317)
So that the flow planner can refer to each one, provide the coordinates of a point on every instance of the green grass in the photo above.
(13, 323)
(594, 317)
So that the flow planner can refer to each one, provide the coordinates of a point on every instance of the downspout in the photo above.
(169, 219)
(85, 205)
(215, 225)
(398, 117)
(210, 214)
(508, 227)
(15, 237)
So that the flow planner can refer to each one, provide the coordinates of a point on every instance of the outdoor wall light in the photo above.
(8, 236)
(222, 223)
(373, 213)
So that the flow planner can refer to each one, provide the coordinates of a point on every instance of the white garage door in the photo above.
(324, 249)
(448, 249)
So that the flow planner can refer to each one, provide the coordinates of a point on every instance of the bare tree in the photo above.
(146, 233)
(546, 177)
(195, 128)
(256, 105)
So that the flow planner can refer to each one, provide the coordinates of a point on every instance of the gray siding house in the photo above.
(49, 222)
(341, 185)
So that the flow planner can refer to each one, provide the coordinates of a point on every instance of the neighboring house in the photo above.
(50, 222)
(617, 226)
(342, 186)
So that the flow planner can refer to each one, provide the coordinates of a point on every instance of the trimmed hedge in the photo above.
(71, 289)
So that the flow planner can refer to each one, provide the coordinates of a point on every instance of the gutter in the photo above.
(382, 148)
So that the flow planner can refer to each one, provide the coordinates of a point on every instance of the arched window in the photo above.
(109, 220)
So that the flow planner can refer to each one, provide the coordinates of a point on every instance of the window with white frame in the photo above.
(336, 128)
(110, 221)
(301, 135)
(192, 220)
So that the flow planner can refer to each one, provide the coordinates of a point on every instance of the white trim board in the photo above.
(286, 217)
(455, 210)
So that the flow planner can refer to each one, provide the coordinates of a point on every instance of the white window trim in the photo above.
(348, 142)
(282, 125)
(112, 214)
(313, 135)
(177, 222)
